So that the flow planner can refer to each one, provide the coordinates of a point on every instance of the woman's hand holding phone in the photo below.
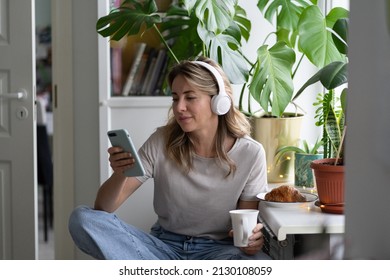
(120, 160)
(123, 155)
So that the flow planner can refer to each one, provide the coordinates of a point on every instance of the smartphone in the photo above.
(121, 138)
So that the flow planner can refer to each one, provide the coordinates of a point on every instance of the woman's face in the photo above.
(191, 107)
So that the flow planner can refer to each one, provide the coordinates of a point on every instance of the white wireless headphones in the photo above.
(220, 103)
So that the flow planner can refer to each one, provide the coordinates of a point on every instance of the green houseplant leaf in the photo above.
(220, 31)
(315, 40)
(287, 13)
(341, 29)
(216, 16)
(333, 130)
(243, 23)
(219, 49)
(272, 82)
(331, 76)
(128, 19)
(330, 114)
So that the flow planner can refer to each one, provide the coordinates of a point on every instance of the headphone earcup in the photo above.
(220, 104)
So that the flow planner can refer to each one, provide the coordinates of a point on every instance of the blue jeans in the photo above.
(103, 235)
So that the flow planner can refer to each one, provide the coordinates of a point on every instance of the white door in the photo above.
(18, 183)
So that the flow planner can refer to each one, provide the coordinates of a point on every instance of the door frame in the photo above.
(63, 119)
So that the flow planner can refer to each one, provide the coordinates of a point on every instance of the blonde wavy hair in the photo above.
(179, 146)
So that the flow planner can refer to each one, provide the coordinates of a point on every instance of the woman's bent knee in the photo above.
(78, 219)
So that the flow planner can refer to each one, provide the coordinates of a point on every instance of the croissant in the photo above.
(285, 194)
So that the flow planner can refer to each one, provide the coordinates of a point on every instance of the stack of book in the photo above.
(147, 72)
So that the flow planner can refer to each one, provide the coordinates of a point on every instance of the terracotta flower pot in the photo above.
(330, 183)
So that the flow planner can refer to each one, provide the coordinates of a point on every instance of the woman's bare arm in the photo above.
(115, 191)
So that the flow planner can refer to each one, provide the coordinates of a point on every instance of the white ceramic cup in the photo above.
(243, 222)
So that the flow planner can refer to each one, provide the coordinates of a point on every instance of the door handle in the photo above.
(14, 95)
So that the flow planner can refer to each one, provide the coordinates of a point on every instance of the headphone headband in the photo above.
(221, 102)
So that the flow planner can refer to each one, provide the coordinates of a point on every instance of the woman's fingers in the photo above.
(119, 160)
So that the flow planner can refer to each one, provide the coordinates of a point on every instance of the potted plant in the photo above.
(216, 29)
(302, 156)
(306, 32)
(330, 115)
(329, 172)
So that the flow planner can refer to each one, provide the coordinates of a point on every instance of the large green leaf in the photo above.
(128, 19)
(234, 65)
(284, 14)
(220, 30)
(215, 15)
(193, 37)
(341, 29)
(242, 21)
(331, 76)
(315, 40)
(287, 12)
(334, 15)
(272, 82)
(334, 75)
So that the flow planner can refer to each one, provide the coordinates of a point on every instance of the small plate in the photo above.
(310, 199)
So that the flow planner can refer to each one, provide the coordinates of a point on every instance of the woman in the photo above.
(203, 163)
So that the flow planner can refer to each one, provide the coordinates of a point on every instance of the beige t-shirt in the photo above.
(198, 203)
